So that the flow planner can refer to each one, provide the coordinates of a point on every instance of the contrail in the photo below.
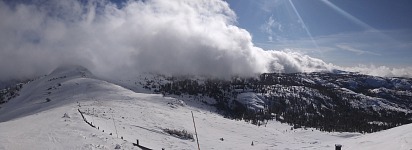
(349, 16)
(304, 25)
(358, 21)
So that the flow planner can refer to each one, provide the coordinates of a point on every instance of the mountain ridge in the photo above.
(147, 117)
(326, 101)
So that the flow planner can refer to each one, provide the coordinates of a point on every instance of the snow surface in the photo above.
(30, 122)
(252, 101)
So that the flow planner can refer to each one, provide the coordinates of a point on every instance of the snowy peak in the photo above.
(70, 71)
(50, 91)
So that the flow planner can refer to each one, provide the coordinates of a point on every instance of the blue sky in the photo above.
(341, 32)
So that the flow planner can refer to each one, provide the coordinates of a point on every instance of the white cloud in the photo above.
(357, 51)
(290, 62)
(271, 27)
(174, 37)
(382, 71)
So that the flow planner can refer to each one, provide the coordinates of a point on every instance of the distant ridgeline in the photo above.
(329, 102)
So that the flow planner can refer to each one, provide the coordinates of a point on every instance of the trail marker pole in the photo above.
(93, 115)
(115, 126)
(194, 125)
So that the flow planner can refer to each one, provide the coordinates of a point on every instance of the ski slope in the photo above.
(30, 121)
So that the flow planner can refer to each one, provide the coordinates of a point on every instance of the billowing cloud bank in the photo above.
(170, 37)
(382, 71)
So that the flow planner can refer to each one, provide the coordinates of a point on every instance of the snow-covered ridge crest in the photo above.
(50, 91)
(70, 71)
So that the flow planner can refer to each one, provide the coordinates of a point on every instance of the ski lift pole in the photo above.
(194, 125)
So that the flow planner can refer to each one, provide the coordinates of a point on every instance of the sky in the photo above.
(345, 33)
(204, 37)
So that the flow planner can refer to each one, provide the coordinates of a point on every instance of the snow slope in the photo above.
(399, 138)
(252, 101)
(30, 122)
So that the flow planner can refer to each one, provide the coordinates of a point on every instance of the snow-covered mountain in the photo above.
(45, 114)
(340, 101)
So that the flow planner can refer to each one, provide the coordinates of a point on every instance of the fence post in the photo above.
(194, 124)
(338, 147)
(117, 135)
